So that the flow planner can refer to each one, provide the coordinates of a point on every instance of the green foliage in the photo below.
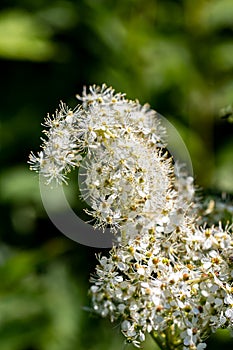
(23, 37)
(176, 55)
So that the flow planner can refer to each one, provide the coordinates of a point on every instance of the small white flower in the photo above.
(228, 299)
(222, 319)
(229, 313)
(125, 326)
(218, 302)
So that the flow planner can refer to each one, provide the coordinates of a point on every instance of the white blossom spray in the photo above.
(166, 276)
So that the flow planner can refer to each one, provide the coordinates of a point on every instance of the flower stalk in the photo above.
(168, 340)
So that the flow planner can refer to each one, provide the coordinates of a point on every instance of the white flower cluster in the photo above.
(181, 286)
(129, 177)
(167, 276)
(60, 152)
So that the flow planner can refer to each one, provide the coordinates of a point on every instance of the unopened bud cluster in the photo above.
(167, 276)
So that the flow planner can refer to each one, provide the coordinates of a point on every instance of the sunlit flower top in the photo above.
(130, 181)
(102, 117)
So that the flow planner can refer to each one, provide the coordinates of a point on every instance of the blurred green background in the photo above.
(176, 55)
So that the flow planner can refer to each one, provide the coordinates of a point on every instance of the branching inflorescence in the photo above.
(167, 276)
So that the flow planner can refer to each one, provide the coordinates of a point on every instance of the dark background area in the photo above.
(176, 55)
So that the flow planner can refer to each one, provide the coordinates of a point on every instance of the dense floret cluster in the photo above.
(181, 286)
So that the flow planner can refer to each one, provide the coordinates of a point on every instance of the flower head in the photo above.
(180, 286)
(130, 180)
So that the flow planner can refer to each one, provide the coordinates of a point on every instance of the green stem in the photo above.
(160, 340)
(166, 340)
